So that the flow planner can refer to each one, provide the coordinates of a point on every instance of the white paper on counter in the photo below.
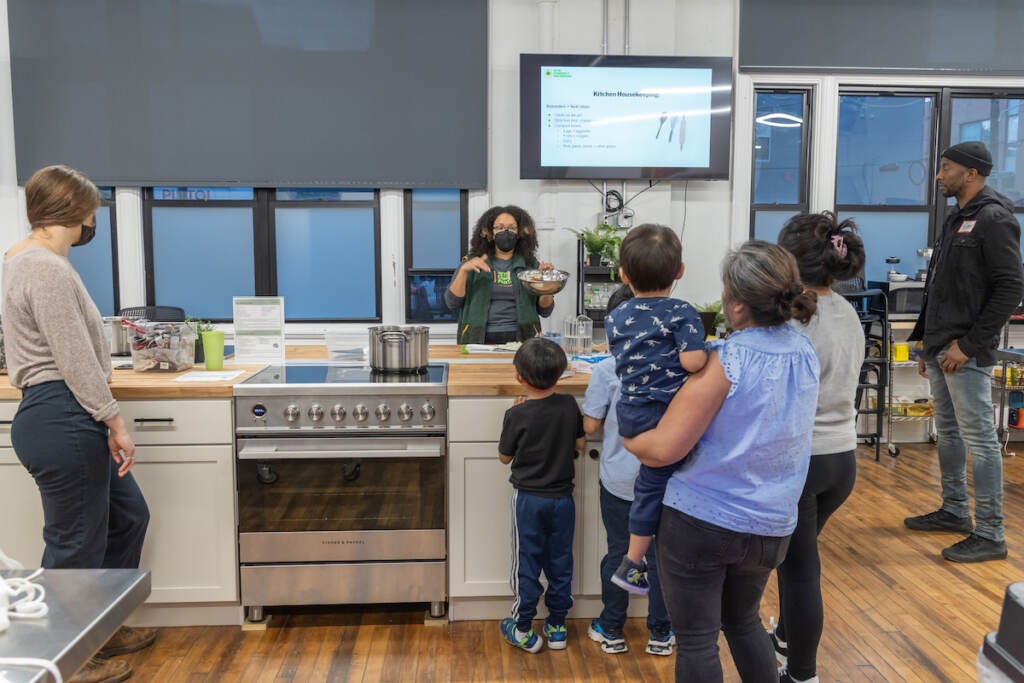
(259, 329)
(209, 376)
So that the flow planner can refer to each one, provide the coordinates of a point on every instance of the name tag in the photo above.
(967, 226)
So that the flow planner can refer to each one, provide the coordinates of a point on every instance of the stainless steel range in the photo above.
(341, 478)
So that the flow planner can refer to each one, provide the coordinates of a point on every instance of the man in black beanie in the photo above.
(975, 281)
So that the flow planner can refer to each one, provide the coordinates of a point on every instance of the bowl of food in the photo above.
(543, 282)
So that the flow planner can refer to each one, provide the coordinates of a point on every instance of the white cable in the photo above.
(22, 662)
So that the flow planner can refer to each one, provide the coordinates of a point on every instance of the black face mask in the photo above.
(506, 240)
(88, 232)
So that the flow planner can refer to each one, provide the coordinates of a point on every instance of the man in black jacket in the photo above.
(975, 281)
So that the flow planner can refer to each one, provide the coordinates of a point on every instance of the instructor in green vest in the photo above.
(493, 308)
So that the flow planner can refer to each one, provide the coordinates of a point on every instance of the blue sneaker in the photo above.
(631, 577)
(556, 635)
(661, 642)
(528, 641)
(612, 640)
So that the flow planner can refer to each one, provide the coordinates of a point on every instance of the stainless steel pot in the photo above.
(399, 348)
(119, 336)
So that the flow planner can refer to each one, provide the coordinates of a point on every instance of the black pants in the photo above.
(830, 480)
(713, 579)
(92, 518)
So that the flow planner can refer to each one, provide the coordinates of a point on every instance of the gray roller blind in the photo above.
(980, 37)
(266, 93)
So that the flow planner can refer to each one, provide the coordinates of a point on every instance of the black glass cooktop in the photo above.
(324, 373)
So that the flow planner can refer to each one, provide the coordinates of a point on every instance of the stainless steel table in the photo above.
(86, 607)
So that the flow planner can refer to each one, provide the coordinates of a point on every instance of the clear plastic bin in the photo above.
(163, 347)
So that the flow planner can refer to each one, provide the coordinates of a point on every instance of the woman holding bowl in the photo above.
(492, 305)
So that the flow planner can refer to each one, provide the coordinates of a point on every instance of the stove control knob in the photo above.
(427, 412)
(316, 412)
(383, 412)
(338, 412)
(405, 412)
(291, 413)
(360, 413)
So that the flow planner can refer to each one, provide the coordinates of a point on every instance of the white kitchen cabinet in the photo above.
(185, 467)
(480, 512)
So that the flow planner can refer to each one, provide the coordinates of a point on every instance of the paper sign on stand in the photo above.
(259, 329)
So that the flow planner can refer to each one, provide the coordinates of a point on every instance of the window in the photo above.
(318, 248)
(96, 262)
(884, 175)
(436, 239)
(994, 121)
(780, 168)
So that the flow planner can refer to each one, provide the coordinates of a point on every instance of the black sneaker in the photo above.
(940, 520)
(785, 677)
(975, 548)
(631, 577)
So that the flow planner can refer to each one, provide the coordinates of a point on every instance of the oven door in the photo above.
(331, 499)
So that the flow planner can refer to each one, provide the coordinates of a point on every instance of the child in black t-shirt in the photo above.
(540, 437)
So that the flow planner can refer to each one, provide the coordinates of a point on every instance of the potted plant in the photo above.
(199, 326)
(711, 316)
(600, 243)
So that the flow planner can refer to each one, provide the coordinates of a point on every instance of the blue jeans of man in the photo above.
(615, 515)
(713, 579)
(542, 533)
(92, 518)
(964, 422)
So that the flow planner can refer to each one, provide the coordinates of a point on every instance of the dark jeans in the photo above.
(829, 483)
(92, 519)
(713, 579)
(615, 515)
(542, 531)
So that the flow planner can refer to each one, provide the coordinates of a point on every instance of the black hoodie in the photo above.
(975, 279)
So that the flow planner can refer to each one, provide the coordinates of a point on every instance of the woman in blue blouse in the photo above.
(742, 428)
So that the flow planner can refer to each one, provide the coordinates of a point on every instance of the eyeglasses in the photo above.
(505, 228)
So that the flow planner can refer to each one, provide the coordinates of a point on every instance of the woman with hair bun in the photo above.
(826, 251)
(742, 428)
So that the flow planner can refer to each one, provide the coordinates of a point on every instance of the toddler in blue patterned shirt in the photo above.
(657, 341)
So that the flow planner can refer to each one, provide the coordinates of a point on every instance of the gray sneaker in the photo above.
(975, 548)
(940, 520)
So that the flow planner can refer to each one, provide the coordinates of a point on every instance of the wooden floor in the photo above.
(895, 611)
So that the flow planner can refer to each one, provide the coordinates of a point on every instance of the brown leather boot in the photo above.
(102, 671)
(127, 639)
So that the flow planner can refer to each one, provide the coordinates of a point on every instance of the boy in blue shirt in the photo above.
(657, 342)
(540, 437)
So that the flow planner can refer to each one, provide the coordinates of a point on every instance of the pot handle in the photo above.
(393, 336)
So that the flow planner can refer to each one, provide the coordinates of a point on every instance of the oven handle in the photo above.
(267, 452)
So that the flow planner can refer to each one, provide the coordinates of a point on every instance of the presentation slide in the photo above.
(613, 116)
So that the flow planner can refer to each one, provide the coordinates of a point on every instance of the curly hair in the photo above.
(482, 240)
(825, 250)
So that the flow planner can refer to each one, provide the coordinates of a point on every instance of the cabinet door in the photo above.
(479, 521)
(588, 506)
(477, 419)
(21, 511)
(190, 545)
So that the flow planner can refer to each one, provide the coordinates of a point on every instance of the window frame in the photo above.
(410, 271)
(263, 205)
(112, 205)
(803, 204)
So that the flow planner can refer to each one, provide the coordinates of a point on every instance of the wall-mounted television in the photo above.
(622, 117)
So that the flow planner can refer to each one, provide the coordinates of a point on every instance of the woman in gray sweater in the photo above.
(68, 431)
(825, 252)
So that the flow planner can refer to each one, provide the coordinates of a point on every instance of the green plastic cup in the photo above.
(213, 349)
